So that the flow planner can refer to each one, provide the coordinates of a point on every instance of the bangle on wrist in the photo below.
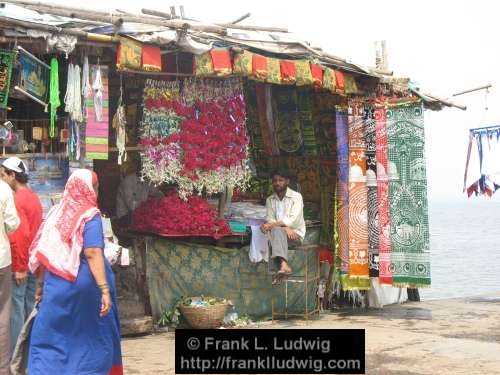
(103, 286)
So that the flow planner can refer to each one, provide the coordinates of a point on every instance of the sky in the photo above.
(447, 46)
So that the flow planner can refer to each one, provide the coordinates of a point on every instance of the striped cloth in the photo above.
(97, 131)
(371, 183)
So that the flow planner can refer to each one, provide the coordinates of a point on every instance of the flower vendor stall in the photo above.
(211, 110)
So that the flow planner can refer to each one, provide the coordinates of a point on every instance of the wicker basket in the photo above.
(204, 317)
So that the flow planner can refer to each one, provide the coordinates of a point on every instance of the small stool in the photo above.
(304, 261)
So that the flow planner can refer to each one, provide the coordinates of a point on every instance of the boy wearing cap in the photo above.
(15, 174)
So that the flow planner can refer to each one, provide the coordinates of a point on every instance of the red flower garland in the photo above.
(212, 135)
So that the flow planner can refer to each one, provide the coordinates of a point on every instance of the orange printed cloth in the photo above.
(128, 55)
(340, 82)
(329, 81)
(259, 67)
(203, 65)
(317, 75)
(221, 60)
(304, 75)
(242, 63)
(151, 58)
(288, 72)
(358, 194)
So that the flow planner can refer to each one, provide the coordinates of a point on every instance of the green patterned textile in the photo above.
(408, 197)
(304, 101)
(253, 125)
(176, 269)
(323, 116)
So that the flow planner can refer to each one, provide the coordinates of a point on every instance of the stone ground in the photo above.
(455, 336)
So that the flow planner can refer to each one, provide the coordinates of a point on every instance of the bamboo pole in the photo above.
(116, 19)
(253, 28)
(485, 87)
(231, 25)
(156, 13)
(239, 19)
(58, 30)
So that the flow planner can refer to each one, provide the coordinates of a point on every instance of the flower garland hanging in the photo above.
(196, 145)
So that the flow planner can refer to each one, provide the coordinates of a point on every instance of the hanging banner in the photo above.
(6, 63)
(34, 79)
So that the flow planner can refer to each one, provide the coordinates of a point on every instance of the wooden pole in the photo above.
(239, 19)
(156, 13)
(58, 30)
(117, 19)
(252, 28)
(485, 87)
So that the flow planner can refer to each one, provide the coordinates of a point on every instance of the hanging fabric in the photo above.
(371, 184)
(408, 209)
(482, 169)
(86, 88)
(120, 124)
(384, 223)
(97, 87)
(358, 201)
(73, 97)
(97, 125)
(54, 95)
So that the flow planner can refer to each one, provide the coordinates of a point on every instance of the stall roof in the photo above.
(26, 18)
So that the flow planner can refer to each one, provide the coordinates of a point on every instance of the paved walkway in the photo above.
(456, 336)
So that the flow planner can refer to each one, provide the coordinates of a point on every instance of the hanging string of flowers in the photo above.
(193, 216)
(196, 144)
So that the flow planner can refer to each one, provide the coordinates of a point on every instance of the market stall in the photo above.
(207, 112)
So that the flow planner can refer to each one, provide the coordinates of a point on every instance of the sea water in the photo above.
(465, 248)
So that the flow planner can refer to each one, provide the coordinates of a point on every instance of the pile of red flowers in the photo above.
(172, 216)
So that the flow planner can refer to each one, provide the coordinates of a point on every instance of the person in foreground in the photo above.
(15, 173)
(9, 222)
(76, 330)
(284, 220)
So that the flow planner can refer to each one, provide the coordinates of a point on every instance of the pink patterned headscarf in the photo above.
(59, 241)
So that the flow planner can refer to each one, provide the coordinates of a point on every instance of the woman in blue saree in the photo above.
(76, 330)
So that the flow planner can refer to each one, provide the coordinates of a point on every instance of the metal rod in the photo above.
(17, 88)
(485, 128)
(485, 87)
(33, 56)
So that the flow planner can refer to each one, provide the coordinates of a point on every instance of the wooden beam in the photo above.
(116, 18)
(156, 13)
(253, 28)
(58, 30)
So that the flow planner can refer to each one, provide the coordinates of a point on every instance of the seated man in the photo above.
(284, 220)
